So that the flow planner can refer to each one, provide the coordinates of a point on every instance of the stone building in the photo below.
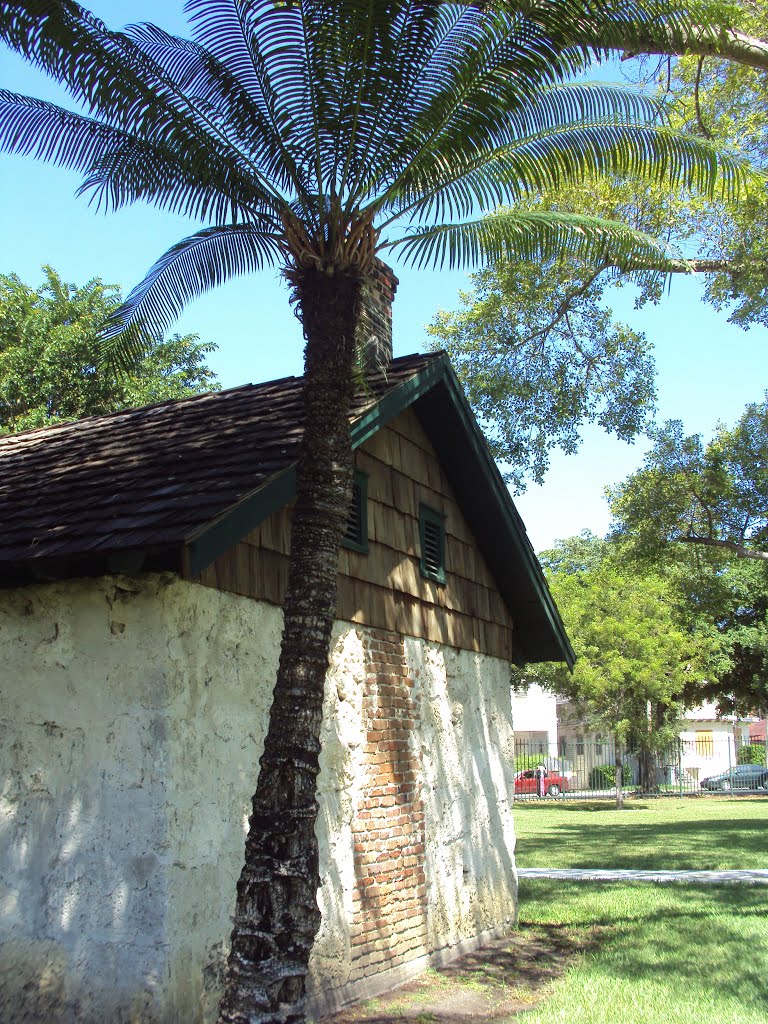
(143, 560)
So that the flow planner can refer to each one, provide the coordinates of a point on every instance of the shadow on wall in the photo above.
(80, 885)
(466, 736)
(132, 716)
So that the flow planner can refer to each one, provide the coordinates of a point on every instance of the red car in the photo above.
(528, 782)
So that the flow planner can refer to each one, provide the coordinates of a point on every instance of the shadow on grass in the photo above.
(506, 977)
(705, 940)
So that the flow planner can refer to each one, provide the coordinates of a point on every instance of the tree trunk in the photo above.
(619, 777)
(276, 914)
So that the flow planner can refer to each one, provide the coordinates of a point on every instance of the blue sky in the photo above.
(707, 369)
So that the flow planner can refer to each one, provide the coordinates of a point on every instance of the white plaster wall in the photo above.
(132, 716)
(467, 754)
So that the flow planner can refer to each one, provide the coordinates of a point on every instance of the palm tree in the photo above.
(315, 135)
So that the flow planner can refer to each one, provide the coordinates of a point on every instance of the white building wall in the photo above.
(132, 717)
(534, 716)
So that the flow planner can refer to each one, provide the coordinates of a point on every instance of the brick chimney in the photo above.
(375, 350)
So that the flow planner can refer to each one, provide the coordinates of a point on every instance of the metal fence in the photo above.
(577, 768)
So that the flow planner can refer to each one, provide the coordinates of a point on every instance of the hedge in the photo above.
(603, 776)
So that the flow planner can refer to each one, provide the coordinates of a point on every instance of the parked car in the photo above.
(742, 776)
(554, 782)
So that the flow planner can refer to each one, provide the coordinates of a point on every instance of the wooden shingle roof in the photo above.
(151, 477)
(174, 485)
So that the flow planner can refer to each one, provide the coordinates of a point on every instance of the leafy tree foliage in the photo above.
(728, 103)
(316, 135)
(688, 492)
(635, 655)
(699, 513)
(539, 356)
(51, 367)
(538, 348)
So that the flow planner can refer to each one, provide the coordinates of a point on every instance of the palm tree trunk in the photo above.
(276, 914)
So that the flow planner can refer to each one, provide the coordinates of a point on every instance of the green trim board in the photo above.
(230, 528)
(398, 400)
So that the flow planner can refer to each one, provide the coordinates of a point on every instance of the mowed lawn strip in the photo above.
(671, 954)
(695, 834)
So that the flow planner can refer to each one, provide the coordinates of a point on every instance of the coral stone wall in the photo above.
(132, 715)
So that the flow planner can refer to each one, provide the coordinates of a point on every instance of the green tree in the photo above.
(539, 356)
(635, 656)
(712, 495)
(699, 512)
(537, 346)
(315, 135)
(50, 363)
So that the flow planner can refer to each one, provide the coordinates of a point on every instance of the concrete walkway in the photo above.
(750, 877)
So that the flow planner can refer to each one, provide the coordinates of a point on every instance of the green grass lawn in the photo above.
(659, 954)
(688, 834)
(672, 954)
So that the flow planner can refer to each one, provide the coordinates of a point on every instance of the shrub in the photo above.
(751, 753)
(603, 776)
(525, 762)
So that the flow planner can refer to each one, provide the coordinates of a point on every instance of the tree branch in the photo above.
(728, 44)
(661, 40)
(729, 545)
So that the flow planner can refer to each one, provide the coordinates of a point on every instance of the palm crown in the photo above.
(324, 132)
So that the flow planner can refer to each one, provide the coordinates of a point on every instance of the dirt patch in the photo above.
(494, 983)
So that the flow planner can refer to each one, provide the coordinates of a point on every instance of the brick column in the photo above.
(376, 324)
(389, 925)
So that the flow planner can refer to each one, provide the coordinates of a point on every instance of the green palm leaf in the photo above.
(533, 235)
(193, 266)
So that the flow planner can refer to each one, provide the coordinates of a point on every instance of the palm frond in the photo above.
(38, 128)
(567, 155)
(533, 235)
(118, 81)
(193, 266)
(217, 89)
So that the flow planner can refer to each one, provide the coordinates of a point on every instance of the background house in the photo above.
(708, 742)
(534, 718)
(143, 560)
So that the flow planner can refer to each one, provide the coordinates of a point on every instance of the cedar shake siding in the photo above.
(384, 587)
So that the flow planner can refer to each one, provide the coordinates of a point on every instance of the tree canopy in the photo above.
(698, 512)
(637, 659)
(537, 346)
(689, 492)
(51, 365)
(539, 356)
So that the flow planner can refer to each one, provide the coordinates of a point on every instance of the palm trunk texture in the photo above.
(276, 914)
